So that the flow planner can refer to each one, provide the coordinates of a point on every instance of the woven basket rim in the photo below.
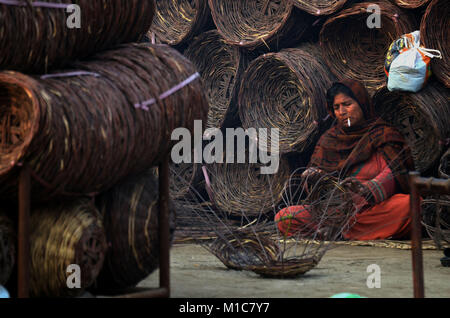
(25, 83)
(256, 42)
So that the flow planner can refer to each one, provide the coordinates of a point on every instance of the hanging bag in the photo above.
(408, 63)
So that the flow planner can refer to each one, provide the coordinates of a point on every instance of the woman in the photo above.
(372, 156)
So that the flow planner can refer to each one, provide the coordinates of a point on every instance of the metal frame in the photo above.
(23, 247)
(421, 186)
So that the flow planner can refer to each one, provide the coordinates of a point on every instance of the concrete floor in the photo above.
(195, 273)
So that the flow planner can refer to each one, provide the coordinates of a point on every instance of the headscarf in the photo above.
(340, 150)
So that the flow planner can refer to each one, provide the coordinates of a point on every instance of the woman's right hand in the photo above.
(310, 177)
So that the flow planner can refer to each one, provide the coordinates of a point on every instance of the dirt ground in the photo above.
(195, 273)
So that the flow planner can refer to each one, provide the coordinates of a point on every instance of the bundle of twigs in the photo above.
(221, 66)
(130, 216)
(434, 32)
(82, 134)
(266, 24)
(239, 189)
(411, 4)
(178, 21)
(319, 7)
(7, 247)
(360, 54)
(286, 90)
(64, 234)
(423, 118)
(47, 38)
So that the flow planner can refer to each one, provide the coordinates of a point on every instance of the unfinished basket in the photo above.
(65, 234)
(423, 118)
(435, 34)
(319, 7)
(221, 66)
(264, 24)
(286, 91)
(253, 249)
(82, 134)
(178, 21)
(48, 40)
(7, 247)
(360, 54)
(130, 214)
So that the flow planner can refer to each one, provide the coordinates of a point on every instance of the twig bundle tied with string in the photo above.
(130, 215)
(435, 34)
(7, 247)
(423, 119)
(47, 39)
(319, 7)
(411, 4)
(286, 90)
(360, 54)
(240, 189)
(221, 66)
(63, 235)
(178, 21)
(259, 24)
(82, 134)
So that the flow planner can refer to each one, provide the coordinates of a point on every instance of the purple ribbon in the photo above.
(190, 79)
(36, 4)
(69, 74)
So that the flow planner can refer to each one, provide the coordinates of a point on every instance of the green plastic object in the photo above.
(347, 295)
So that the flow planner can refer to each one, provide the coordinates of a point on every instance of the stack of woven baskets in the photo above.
(88, 108)
(268, 64)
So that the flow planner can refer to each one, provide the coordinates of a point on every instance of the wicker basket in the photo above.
(221, 66)
(435, 34)
(287, 91)
(178, 21)
(240, 190)
(423, 118)
(63, 234)
(444, 165)
(50, 122)
(319, 7)
(45, 40)
(411, 4)
(259, 24)
(253, 249)
(130, 213)
(436, 218)
(7, 247)
(360, 54)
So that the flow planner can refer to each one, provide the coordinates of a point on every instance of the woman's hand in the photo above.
(310, 177)
(360, 189)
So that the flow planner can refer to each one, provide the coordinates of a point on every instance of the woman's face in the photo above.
(347, 111)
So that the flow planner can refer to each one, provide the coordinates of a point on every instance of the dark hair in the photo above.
(338, 88)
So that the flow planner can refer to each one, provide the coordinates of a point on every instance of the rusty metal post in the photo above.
(23, 244)
(164, 231)
(416, 239)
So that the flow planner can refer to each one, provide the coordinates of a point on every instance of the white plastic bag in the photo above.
(410, 69)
